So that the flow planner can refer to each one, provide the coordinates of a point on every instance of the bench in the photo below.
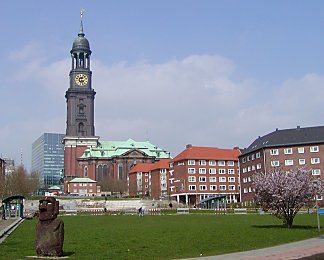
(240, 211)
(130, 211)
(182, 210)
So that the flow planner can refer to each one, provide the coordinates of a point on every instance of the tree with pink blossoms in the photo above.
(285, 193)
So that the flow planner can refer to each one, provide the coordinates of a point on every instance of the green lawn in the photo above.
(162, 237)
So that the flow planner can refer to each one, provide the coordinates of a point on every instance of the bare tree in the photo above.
(113, 185)
(19, 182)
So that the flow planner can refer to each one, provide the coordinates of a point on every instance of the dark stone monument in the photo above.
(49, 229)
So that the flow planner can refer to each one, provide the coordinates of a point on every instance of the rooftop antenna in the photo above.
(21, 157)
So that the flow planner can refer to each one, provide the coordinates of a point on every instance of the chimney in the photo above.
(188, 146)
(236, 148)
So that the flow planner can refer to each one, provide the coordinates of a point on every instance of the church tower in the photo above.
(80, 96)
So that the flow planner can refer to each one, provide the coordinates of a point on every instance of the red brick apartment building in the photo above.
(149, 179)
(198, 173)
(288, 149)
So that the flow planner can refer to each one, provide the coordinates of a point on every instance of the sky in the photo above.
(215, 73)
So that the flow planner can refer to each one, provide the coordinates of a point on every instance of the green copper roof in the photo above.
(109, 149)
(82, 180)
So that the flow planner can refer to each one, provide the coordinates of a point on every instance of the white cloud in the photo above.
(194, 100)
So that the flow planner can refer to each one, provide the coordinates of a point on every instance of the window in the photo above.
(222, 187)
(244, 170)
(212, 163)
(75, 190)
(230, 163)
(244, 160)
(245, 180)
(180, 163)
(289, 162)
(221, 171)
(202, 170)
(249, 168)
(302, 161)
(202, 162)
(146, 186)
(212, 171)
(257, 155)
(231, 179)
(146, 180)
(231, 171)
(253, 168)
(274, 163)
(191, 162)
(192, 178)
(213, 187)
(222, 179)
(245, 190)
(274, 152)
(259, 166)
(146, 174)
(192, 187)
(231, 187)
(288, 151)
(315, 160)
(202, 179)
(300, 149)
(313, 149)
(316, 171)
(252, 157)
(191, 170)
(250, 189)
(249, 179)
(202, 187)
(221, 163)
(212, 179)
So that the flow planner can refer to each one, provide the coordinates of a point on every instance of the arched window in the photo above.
(81, 128)
(85, 171)
(99, 173)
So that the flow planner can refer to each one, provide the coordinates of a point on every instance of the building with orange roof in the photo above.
(199, 173)
(149, 180)
(139, 180)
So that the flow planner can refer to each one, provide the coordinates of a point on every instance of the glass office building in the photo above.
(48, 158)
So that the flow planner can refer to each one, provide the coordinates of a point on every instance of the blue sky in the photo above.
(209, 73)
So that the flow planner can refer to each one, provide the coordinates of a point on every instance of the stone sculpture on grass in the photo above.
(49, 229)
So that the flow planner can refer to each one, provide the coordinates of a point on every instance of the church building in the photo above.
(85, 156)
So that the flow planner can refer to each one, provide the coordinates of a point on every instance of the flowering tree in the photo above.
(284, 193)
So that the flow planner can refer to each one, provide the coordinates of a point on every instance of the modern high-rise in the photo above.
(48, 158)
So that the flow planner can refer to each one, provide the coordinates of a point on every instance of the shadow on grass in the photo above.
(68, 253)
(307, 227)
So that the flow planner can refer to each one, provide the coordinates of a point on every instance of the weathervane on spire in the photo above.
(82, 12)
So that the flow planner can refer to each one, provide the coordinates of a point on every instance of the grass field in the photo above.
(162, 237)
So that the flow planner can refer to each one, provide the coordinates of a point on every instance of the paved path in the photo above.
(310, 249)
(7, 226)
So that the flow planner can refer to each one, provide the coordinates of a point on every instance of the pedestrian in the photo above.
(140, 212)
(170, 205)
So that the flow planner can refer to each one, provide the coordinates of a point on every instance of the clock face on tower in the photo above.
(81, 79)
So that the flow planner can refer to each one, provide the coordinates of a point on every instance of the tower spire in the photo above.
(81, 33)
